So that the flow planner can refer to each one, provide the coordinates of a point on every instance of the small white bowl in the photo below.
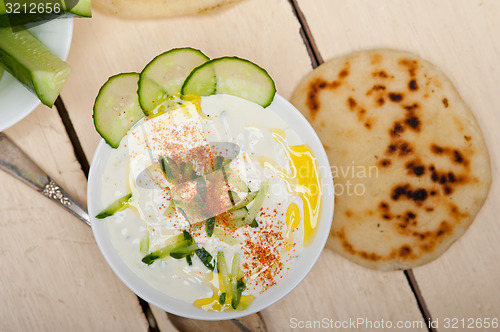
(17, 102)
(300, 269)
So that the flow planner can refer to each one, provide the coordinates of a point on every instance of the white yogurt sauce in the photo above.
(230, 119)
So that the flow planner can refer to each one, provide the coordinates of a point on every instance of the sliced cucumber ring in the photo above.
(116, 108)
(233, 76)
(165, 74)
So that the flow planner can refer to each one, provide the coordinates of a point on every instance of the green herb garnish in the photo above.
(222, 298)
(205, 258)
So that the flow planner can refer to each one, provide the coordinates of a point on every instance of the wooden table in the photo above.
(53, 277)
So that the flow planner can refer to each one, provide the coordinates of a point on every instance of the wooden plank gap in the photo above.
(420, 299)
(153, 326)
(240, 326)
(75, 142)
(307, 36)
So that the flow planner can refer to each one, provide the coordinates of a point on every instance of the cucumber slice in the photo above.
(233, 196)
(118, 205)
(165, 74)
(173, 243)
(235, 269)
(116, 108)
(33, 64)
(144, 244)
(239, 214)
(233, 76)
(233, 179)
(257, 203)
(240, 287)
(201, 81)
(244, 202)
(184, 251)
(224, 273)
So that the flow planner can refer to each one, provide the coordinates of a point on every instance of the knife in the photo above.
(15, 162)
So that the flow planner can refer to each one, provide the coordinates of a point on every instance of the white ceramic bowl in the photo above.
(16, 102)
(299, 270)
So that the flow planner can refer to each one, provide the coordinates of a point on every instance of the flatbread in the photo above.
(409, 161)
(143, 9)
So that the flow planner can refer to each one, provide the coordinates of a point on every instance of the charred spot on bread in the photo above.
(343, 73)
(413, 122)
(413, 85)
(396, 130)
(414, 167)
(445, 102)
(411, 107)
(376, 87)
(351, 103)
(385, 163)
(418, 195)
(315, 87)
(436, 149)
(411, 65)
(395, 97)
(418, 170)
(405, 251)
(455, 155)
(402, 147)
(411, 119)
(381, 74)
(349, 248)
(458, 156)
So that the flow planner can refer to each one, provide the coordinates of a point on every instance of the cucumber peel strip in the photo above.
(118, 205)
(173, 243)
(257, 203)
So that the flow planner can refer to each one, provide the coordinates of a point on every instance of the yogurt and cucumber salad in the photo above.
(208, 196)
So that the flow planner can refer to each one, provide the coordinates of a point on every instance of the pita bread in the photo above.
(142, 9)
(409, 161)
